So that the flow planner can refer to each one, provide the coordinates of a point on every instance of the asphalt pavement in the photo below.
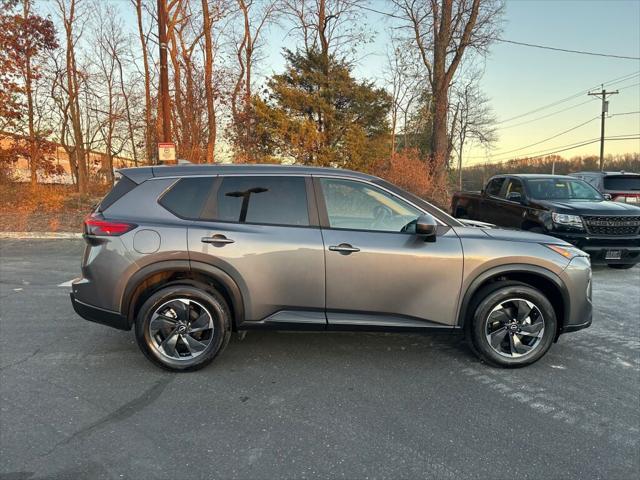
(78, 400)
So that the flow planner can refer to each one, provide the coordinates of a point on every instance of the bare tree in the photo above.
(443, 32)
(405, 86)
(474, 120)
(111, 110)
(332, 27)
(68, 11)
(211, 16)
(255, 16)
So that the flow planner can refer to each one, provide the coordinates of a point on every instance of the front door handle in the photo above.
(344, 248)
(217, 239)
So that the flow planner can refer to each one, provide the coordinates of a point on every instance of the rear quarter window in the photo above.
(187, 197)
(119, 190)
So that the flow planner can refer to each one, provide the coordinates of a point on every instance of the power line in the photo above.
(571, 97)
(557, 49)
(547, 115)
(546, 139)
(570, 146)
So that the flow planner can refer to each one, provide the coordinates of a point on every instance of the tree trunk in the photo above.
(74, 103)
(150, 152)
(33, 147)
(208, 79)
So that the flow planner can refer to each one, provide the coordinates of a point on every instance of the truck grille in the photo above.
(618, 225)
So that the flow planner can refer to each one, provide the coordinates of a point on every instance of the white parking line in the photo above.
(67, 283)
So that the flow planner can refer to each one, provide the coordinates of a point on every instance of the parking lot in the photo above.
(78, 400)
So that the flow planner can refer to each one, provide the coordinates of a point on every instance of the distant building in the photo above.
(21, 173)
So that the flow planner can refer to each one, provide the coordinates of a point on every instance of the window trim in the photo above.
(324, 215)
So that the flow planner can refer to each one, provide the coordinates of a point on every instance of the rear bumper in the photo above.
(99, 315)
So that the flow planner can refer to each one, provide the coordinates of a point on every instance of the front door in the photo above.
(260, 230)
(378, 272)
(512, 208)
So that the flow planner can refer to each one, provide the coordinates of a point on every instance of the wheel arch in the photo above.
(150, 278)
(550, 284)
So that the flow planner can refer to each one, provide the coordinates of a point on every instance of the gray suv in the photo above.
(189, 254)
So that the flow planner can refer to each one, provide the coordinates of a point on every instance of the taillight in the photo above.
(626, 197)
(94, 225)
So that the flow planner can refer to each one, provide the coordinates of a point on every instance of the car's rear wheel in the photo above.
(622, 266)
(183, 327)
(512, 326)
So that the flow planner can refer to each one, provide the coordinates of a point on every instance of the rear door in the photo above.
(491, 202)
(263, 231)
(378, 272)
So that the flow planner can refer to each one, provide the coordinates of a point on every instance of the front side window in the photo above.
(359, 206)
(495, 186)
(515, 186)
(269, 200)
(555, 189)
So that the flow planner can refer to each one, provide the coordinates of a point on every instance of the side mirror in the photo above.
(515, 197)
(607, 196)
(427, 227)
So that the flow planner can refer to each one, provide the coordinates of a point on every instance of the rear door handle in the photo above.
(345, 248)
(217, 239)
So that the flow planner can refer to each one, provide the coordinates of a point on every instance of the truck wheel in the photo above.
(182, 327)
(621, 266)
(512, 326)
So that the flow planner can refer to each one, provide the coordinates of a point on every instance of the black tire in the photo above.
(493, 297)
(621, 266)
(198, 301)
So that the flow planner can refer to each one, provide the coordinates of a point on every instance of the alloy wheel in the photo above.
(181, 329)
(514, 328)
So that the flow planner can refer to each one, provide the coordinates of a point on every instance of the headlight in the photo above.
(567, 251)
(567, 220)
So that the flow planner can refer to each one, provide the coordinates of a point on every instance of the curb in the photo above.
(40, 235)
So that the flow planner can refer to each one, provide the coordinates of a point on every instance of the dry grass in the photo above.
(49, 208)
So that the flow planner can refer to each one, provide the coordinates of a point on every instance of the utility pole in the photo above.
(165, 136)
(605, 108)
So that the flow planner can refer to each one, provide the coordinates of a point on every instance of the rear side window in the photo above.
(269, 200)
(622, 182)
(187, 196)
(119, 190)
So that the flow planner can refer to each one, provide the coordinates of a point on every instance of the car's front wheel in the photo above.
(182, 327)
(512, 326)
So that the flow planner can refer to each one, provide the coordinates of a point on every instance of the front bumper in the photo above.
(99, 315)
(597, 246)
(578, 306)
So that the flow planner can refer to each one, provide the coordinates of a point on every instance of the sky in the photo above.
(519, 79)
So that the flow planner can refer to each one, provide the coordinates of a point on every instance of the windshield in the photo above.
(622, 182)
(562, 189)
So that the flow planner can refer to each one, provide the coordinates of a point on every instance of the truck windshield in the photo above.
(562, 189)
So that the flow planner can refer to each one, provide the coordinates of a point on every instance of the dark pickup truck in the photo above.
(561, 206)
